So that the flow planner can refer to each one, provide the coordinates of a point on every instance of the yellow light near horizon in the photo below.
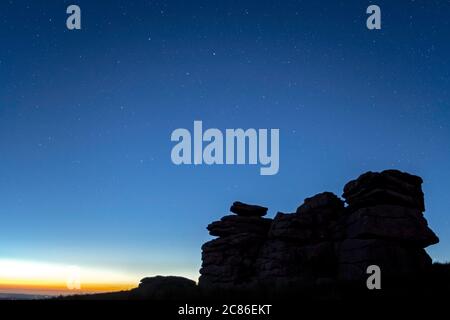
(31, 274)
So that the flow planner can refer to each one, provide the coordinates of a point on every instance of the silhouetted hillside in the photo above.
(433, 285)
(321, 251)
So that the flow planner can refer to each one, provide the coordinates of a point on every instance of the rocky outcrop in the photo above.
(324, 241)
(164, 288)
(396, 223)
(384, 226)
(229, 260)
(299, 249)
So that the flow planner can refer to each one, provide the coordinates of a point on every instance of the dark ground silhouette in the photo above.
(318, 253)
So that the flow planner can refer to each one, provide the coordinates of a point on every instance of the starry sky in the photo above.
(86, 116)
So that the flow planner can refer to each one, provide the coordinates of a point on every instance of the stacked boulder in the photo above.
(324, 241)
(384, 226)
(229, 260)
(299, 249)
(387, 187)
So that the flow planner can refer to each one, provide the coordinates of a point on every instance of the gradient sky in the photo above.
(86, 177)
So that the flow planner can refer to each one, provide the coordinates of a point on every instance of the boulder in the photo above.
(291, 227)
(321, 210)
(311, 222)
(327, 201)
(282, 259)
(229, 261)
(372, 197)
(243, 209)
(387, 187)
(388, 222)
(231, 224)
(165, 288)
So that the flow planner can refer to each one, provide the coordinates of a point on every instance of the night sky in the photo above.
(86, 116)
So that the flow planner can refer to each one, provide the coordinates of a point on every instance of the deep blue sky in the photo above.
(86, 116)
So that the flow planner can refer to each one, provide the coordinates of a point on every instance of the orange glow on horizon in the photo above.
(47, 278)
(35, 287)
(30, 277)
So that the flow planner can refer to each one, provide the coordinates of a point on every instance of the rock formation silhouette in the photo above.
(324, 241)
(314, 253)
